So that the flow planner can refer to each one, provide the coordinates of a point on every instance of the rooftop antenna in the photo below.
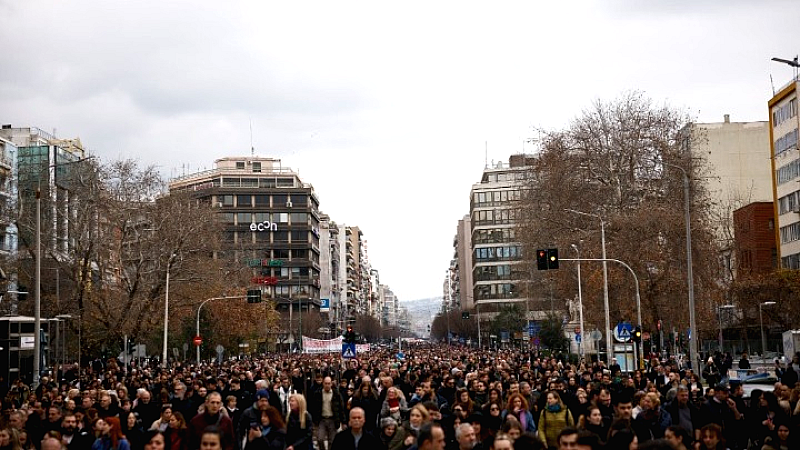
(772, 83)
(252, 149)
(793, 63)
(485, 154)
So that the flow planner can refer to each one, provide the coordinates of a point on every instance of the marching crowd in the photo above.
(435, 397)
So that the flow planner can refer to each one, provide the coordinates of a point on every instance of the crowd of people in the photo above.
(435, 397)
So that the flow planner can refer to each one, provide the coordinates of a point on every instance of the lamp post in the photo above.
(166, 311)
(605, 277)
(580, 300)
(693, 357)
(37, 305)
(721, 307)
(761, 320)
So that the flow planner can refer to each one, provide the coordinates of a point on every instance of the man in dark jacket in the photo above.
(327, 409)
(72, 437)
(356, 437)
(684, 412)
(252, 415)
(212, 416)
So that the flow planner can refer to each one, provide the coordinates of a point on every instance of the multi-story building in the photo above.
(390, 307)
(43, 163)
(272, 224)
(737, 173)
(349, 272)
(329, 265)
(8, 213)
(754, 226)
(496, 252)
(785, 158)
(462, 256)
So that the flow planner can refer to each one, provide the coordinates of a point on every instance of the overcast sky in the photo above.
(384, 109)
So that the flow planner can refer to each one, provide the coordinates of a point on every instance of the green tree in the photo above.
(511, 318)
(552, 334)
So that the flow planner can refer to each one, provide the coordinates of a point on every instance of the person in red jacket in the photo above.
(212, 416)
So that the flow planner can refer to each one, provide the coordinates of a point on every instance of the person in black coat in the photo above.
(356, 437)
(269, 433)
(299, 424)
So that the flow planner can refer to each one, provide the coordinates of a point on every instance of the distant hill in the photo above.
(422, 312)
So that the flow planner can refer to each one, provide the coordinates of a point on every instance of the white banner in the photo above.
(362, 348)
(322, 345)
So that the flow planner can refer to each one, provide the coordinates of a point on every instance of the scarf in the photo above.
(554, 408)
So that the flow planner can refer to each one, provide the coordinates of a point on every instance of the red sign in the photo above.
(197, 341)
(269, 281)
(577, 330)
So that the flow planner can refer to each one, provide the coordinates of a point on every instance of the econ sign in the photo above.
(264, 226)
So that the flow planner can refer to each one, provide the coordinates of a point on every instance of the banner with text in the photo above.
(311, 345)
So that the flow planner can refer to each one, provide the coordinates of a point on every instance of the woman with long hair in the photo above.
(110, 435)
(298, 424)
(162, 422)
(394, 405)
(9, 439)
(417, 417)
(269, 433)
(177, 435)
(554, 418)
(366, 399)
(132, 430)
(679, 437)
(465, 402)
(593, 422)
(517, 406)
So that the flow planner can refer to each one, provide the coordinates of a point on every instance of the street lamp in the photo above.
(605, 277)
(761, 320)
(580, 300)
(166, 311)
(693, 336)
(198, 317)
(37, 316)
(721, 307)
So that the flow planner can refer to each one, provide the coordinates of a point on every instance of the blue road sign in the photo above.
(622, 332)
(324, 305)
(577, 337)
(348, 350)
(534, 328)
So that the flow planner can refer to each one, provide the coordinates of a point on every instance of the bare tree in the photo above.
(616, 161)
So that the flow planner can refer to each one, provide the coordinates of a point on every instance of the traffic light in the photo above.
(541, 259)
(254, 296)
(552, 258)
(637, 335)
(547, 259)
(465, 315)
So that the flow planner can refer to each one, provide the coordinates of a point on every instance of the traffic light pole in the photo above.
(638, 298)
(198, 316)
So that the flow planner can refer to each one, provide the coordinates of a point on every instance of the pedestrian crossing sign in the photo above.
(348, 350)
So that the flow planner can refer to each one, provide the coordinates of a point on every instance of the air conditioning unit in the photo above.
(289, 204)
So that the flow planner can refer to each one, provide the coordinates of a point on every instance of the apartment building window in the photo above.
(790, 233)
(786, 142)
(280, 217)
(280, 253)
(244, 201)
(285, 182)
(249, 182)
(244, 218)
(788, 172)
(260, 217)
(299, 200)
(227, 218)
(239, 165)
(299, 218)
(262, 200)
(784, 113)
(299, 236)
(791, 261)
(788, 203)
(280, 236)
(299, 254)
(225, 200)
(256, 167)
